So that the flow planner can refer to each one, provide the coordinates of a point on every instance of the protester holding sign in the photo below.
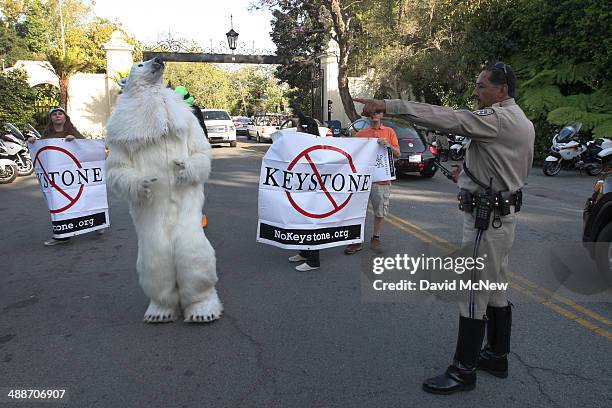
(59, 126)
(314, 191)
(311, 258)
(381, 190)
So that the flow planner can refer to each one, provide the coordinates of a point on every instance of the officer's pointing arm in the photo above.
(480, 125)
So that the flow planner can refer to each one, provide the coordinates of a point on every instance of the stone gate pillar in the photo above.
(118, 54)
(118, 60)
(329, 64)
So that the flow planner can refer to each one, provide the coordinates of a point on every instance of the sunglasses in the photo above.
(502, 67)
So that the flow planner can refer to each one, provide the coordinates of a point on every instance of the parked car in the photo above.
(220, 127)
(241, 123)
(264, 125)
(293, 122)
(597, 216)
(416, 155)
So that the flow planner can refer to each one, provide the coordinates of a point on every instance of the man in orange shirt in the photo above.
(381, 190)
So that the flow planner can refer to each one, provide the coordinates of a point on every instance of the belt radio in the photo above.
(484, 208)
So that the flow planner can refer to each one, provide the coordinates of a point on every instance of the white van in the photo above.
(220, 126)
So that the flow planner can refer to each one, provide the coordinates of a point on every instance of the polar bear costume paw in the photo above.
(159, 314)
(205, 311)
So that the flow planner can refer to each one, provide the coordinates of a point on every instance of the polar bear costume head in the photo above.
(146, 110)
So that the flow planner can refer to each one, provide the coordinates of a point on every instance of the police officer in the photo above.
(497, 163)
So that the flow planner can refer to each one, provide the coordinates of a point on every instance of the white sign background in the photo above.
(330, 214)
(83, 205)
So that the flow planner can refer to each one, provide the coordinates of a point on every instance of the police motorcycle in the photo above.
(570, 150)
(8, 168)
(458, 146)
(17, 149)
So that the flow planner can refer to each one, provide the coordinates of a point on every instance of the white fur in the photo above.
(159, 159)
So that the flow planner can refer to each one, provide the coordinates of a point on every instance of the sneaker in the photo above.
(53, 241)
(351, 249)
(305, 267)
(375, 244)
(297, 258)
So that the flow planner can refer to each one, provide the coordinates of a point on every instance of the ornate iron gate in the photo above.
(47, 96)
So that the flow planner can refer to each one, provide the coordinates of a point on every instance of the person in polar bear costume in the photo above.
(159, 160)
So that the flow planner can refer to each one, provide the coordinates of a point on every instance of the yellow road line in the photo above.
(563, 312)
(564, 300)
(428, 237)
(411, 232)
(444, 243)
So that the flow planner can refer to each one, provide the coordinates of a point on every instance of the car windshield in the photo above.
(408, 138)
(215, 115)
(291, 123)
(269, 120)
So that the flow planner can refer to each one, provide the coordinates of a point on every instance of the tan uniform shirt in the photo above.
(501, 136)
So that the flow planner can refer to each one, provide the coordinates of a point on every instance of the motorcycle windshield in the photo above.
(30, 128)
(569, 132)
(13, 130)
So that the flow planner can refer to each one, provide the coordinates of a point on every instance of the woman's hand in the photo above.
(31, 140)
(69, 138)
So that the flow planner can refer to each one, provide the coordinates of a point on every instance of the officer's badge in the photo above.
(484, 112)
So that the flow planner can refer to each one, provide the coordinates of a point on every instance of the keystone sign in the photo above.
(72, 177)
(313, 191)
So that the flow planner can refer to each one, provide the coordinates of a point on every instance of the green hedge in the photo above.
(16, 99)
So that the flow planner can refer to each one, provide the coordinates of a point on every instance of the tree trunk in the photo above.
(401, 12)
(63, 84)
(343, 87)
(344, 37)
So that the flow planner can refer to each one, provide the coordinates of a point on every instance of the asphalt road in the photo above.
(71, 315)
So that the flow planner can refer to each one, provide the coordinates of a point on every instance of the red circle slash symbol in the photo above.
(71, 200)
(337, 207)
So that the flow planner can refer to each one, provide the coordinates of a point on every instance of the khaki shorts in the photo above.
(379, 198)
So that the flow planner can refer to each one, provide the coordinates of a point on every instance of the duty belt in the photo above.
(502, 201)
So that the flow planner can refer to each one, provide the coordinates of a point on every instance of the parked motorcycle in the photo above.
(571, 151)
(8, 168)
(17, 149)
(458, 146)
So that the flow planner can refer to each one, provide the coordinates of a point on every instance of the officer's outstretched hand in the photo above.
(371, 106)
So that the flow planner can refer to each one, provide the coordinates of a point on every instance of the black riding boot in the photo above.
(461, 375)
(494, 356)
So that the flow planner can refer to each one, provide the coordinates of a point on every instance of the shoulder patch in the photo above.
(484, 112)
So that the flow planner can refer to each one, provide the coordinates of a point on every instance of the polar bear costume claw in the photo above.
(159, 160)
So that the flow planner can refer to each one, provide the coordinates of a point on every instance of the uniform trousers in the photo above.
(495, 246)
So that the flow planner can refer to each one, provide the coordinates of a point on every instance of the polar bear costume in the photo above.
(159, 160)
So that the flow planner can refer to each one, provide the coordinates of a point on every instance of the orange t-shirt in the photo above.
(385, 132)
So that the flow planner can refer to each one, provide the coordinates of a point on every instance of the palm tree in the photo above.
(65, 65)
